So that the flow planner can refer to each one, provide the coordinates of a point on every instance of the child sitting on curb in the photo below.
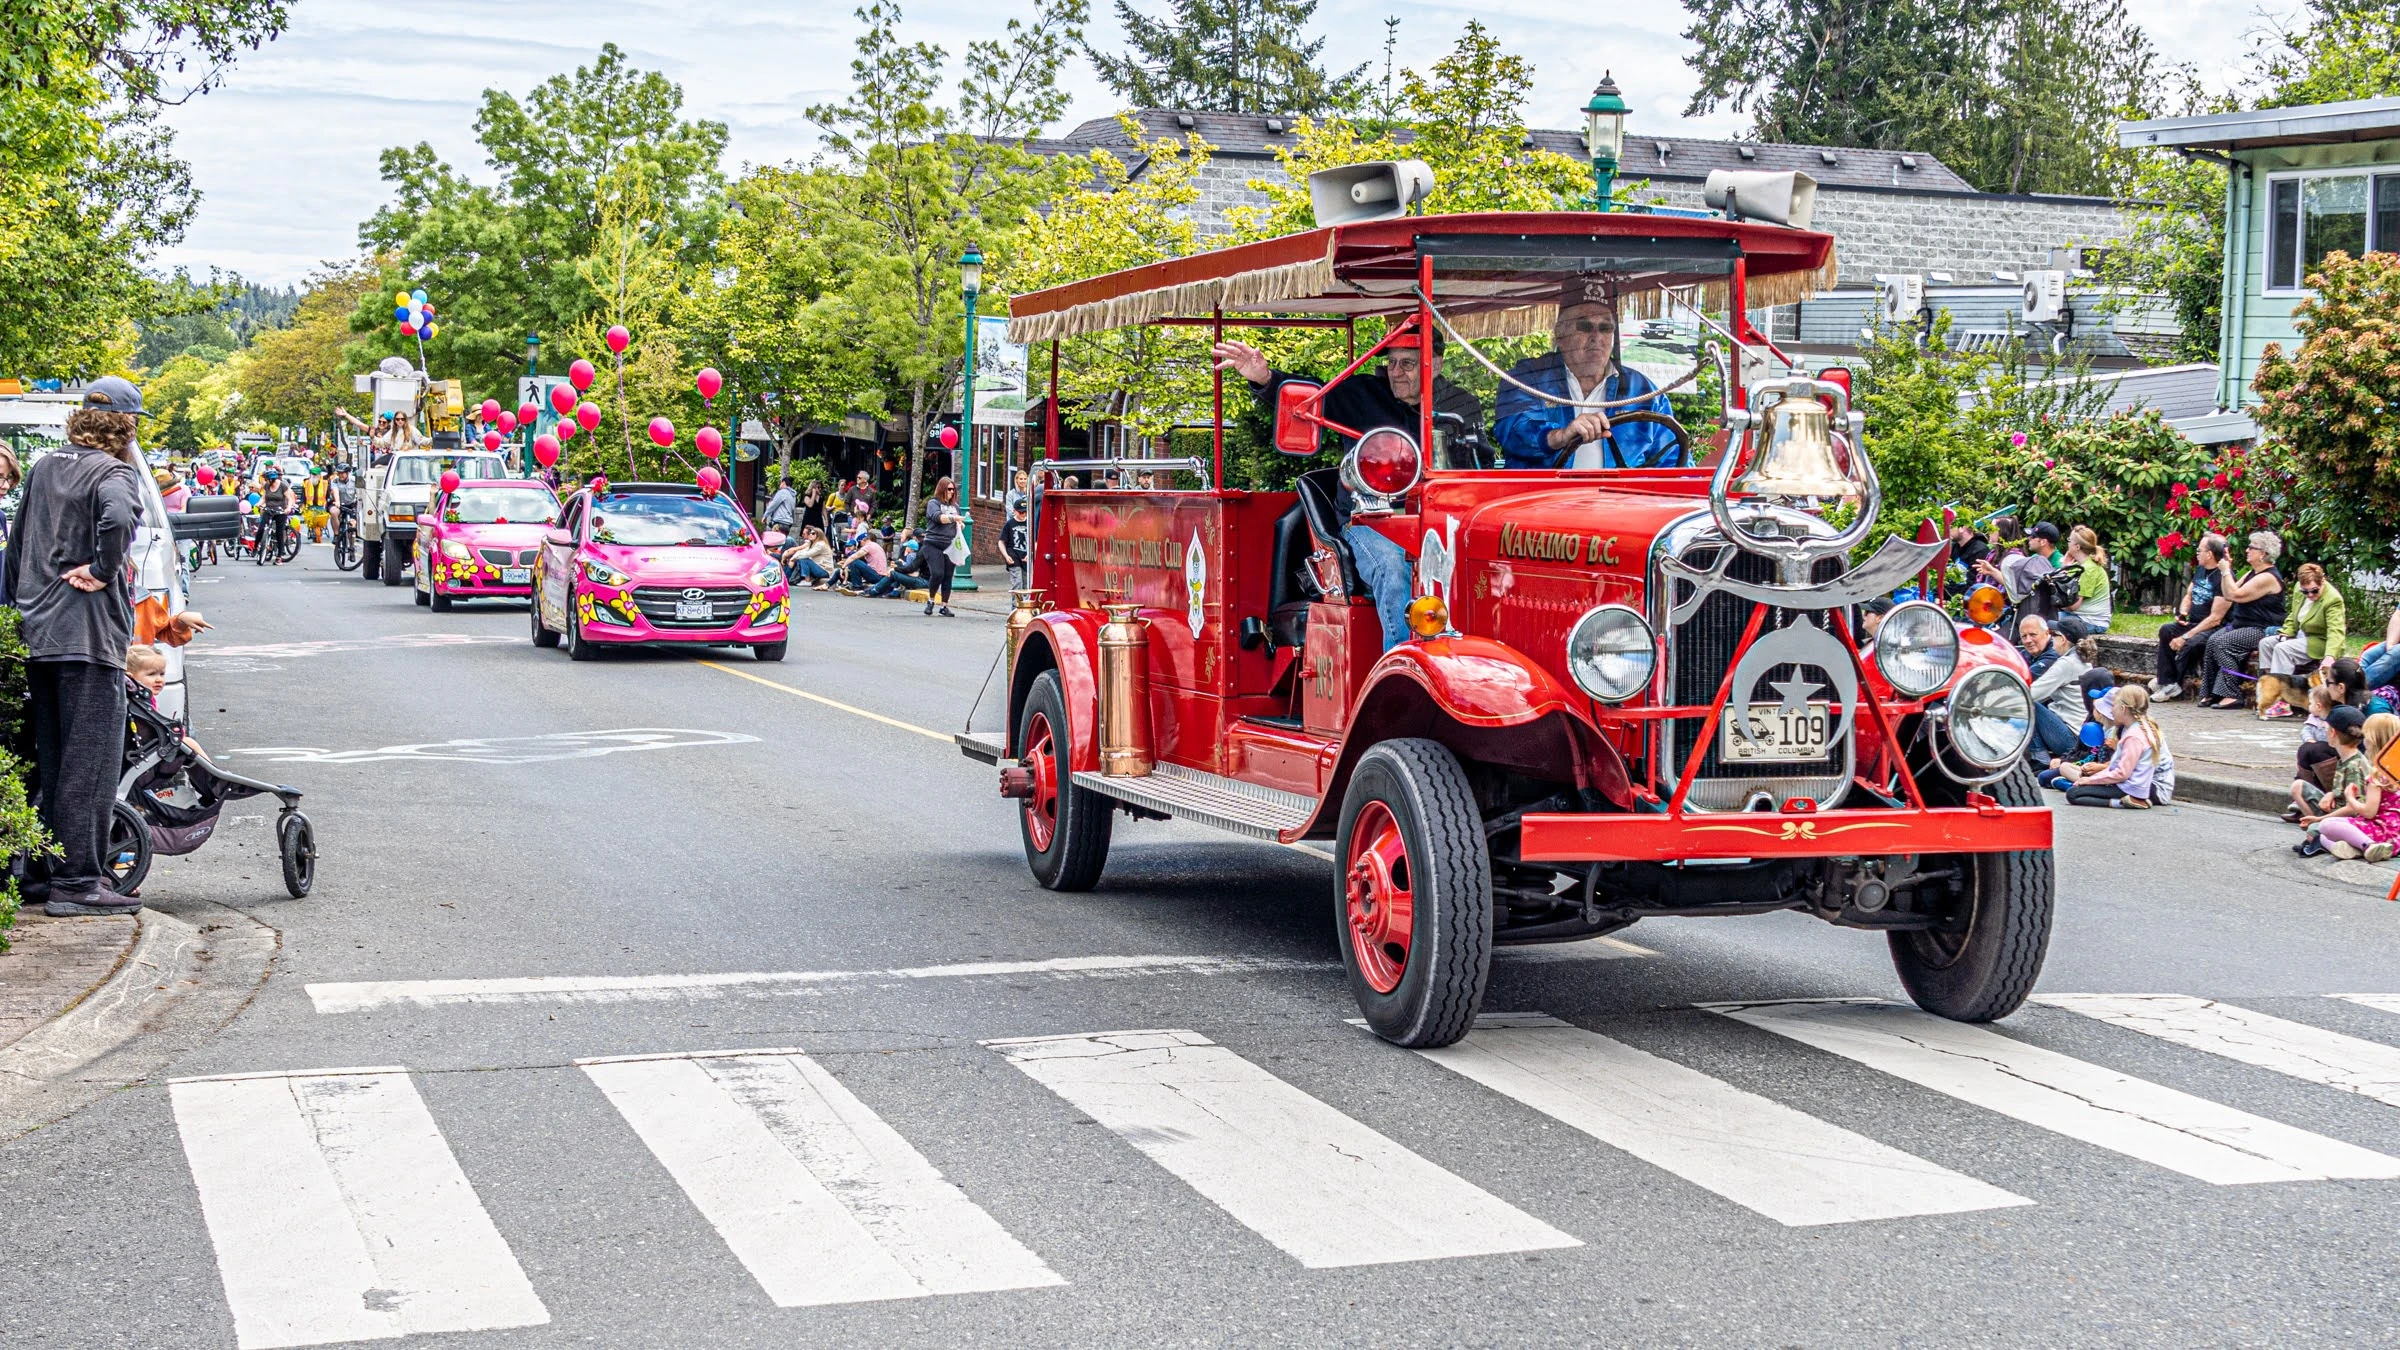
(2367, 823)
(2141, 766)
(2345, 729)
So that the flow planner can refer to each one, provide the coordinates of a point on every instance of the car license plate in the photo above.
(516, 576)
(1775, 734)
(687, 610)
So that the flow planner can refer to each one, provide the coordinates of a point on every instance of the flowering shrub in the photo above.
(2127, 476)
(2335, 404)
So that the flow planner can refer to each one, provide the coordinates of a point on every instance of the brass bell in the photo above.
(1798, 460)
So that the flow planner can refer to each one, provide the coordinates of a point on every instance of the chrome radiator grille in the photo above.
(1700, 652)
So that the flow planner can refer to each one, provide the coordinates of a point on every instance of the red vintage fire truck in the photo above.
(1628, 692)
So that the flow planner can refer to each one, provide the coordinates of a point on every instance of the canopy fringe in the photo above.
(1249, 291)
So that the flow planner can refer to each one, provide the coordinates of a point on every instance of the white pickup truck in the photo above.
(392, 492)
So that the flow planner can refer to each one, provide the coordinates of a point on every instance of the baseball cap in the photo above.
(2045, 530)
(113, 393)
(2347, 718)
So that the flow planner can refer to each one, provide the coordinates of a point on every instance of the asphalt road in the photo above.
(576, 844)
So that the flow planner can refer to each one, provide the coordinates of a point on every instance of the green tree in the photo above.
(1226, 56)
(502, 261)
(296, 374)
(913, 182)
(2176, 246)
(2348, 50)
(2016, 95)
(2331, 401)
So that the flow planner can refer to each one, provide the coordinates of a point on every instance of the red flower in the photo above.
(2175, 491)
(2199, 511)
(2219, 481)
(2169, 543)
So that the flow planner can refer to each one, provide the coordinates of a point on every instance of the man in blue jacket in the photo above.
(1583, 367)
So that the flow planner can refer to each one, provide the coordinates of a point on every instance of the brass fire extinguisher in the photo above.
(1125, 693)
(1027, 607)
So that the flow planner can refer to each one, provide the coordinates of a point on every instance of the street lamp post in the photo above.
(970, 283)
(533, 371)
(1604, 138)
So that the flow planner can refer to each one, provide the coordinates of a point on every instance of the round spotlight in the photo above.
(1611, 652)
(1917, 648)
(1991, 717)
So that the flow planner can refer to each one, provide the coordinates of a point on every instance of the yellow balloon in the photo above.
(399, 297)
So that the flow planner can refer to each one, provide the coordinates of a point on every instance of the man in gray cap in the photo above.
(66, 567)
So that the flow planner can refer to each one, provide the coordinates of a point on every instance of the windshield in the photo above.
(428, 468)
(662, 522)
(501, 506)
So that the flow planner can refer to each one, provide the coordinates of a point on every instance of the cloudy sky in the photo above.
(285, 153)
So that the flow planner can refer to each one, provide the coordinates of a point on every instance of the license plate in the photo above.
(516, 576)
(1774, 735)
(693, 609)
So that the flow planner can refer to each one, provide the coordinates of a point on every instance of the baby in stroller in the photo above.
(171, 793)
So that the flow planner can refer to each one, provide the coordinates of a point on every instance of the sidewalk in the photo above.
(52, 963)
(2221, 758)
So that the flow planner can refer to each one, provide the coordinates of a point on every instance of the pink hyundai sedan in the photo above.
(656, 562)
(478, 540)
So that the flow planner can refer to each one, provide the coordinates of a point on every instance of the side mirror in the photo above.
(560, 538)
(772, 539)
(1295, 435)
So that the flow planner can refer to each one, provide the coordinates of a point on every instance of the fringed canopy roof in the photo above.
(1496, 274)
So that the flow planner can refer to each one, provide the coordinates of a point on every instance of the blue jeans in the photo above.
(861, 576)
(808, 570)
(1389, 577)
(2383, 665)
(2051, 736)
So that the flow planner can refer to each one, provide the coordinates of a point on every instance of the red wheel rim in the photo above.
(1379, 886)
(1041, 760)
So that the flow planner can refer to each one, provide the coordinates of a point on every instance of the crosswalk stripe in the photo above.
(1789, 1166)
(2068, 1096)
(813, 1192)
(1326, 1189)
(2385, 1002)
(339, 1214)
(2314, 1054)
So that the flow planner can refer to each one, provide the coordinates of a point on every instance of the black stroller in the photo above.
(169, 798)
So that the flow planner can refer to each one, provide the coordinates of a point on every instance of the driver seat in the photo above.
(1316, 488)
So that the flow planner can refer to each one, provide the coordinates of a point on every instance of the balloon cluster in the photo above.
(415, 313)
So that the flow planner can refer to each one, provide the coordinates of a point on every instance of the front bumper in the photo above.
(1564, 838)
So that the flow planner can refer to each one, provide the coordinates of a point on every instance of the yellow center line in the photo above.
(831, 702)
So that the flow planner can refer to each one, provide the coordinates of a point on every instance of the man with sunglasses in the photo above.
(1585, 368)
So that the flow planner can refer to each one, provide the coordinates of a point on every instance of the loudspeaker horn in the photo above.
(1379, 190)
(1784, 198)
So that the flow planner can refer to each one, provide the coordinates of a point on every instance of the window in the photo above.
(647, 521)
(2312, 215)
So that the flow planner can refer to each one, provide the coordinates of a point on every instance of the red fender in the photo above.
(1074, 639)
(1487, 688)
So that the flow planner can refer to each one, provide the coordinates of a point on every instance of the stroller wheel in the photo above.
(128, 856)
(297, 840)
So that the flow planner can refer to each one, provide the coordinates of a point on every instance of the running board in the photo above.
(1207, 799)
(984, 745)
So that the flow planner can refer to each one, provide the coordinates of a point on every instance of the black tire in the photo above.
(370, 561)
(296, 841)
(769, 651)
(345, 550)
(290, 549)
(1419, 788)
(577, 648)
(127, 859)
(1980, 967)
(1079, 820)
(542, 636)
(424, 594)
(395, 561)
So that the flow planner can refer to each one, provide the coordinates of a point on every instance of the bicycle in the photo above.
(277, 541)
(347, 546)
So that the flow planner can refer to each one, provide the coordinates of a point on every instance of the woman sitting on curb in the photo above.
(2141, 773)
(2315, 632)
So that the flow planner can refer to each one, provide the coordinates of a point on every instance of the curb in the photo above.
(2239, 794)
(179, 985)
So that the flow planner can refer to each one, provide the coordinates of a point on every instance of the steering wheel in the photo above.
(1683, 439)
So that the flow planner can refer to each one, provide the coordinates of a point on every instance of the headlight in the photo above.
(451, 548)
(1611, 652)
(1917, 648)
(1991, 717)
(768, 575)
(601, 574)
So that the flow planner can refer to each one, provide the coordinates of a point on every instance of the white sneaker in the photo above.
(2167, 694)
(2379, 852)
(2341, 848)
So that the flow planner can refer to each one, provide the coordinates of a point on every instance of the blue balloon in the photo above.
(2093, 736)
(400, 312)
(418, 296)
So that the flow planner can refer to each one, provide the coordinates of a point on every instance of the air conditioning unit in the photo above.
(2045, 296)
(1900, 297)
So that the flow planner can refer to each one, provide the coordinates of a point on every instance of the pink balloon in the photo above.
(507, 422)
(526, 412)
(492, 441)
(588, 415)
(710, 440)
(566, 429)
(662, 432)
(948, 436)
(581, 375)
(490, 410)
(545, 450)
(619, 339)
(562, 399)
(710, 481)
(709, 382)
(450, 480)
(204, 475)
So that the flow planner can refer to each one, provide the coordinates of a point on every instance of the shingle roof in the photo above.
(1657, 158)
